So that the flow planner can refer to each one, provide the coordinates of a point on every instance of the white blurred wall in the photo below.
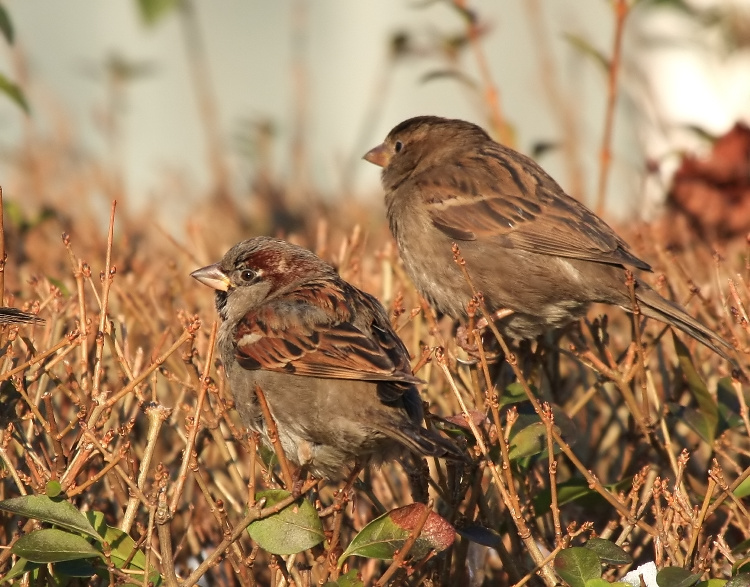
(249, 46)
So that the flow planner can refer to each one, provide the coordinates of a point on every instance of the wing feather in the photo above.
(497, 194)
(323, 331)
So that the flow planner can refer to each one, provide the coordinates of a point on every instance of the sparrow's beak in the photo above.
(378, 156)
(212, 276)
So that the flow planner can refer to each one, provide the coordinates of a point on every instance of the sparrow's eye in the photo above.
(247, 275)
(398, 146)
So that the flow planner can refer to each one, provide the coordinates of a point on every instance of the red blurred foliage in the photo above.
(713, 194)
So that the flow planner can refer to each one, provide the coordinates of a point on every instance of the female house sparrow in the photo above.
(528, 246)
(336, 376)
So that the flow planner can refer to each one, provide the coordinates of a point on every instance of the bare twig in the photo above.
(621, 9)
(273, 435)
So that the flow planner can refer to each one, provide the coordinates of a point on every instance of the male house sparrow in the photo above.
(528, 246)
(336, 376)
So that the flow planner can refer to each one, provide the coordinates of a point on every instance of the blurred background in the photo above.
(159, 103)
(211, 122)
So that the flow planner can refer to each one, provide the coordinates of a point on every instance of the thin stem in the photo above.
(273, 435)
(605, 153)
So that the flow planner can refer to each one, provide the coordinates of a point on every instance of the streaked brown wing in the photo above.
(496, 194)
(16, 316)
(307, 335)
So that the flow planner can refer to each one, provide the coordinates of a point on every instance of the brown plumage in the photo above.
(336, 376)
(528, 246)
(16, 316)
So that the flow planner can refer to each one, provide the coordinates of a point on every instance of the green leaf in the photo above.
(52, 545)
(6, 26)
(743, 489)
(386, 534)
(529, 441)
(741, 565)
(574, 490)
(604, 583)
(513, 394)
(587, 49)
(480, 535)
(529, 435)
(351, 579)
(14, 92)
(77, 568)
(122, 546)
(295, 528)
(152, 11)
(59, 285)
(577, 565)
(676, 577)
(707, 407)
(609, 552)
(53, 488)
(743, 546)
(21, 567)
(694, 419)
(741, 580)
(54, 511)
(712, 583)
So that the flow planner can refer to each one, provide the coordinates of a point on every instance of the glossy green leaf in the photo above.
(21, 567)
(577, 565)
(295, 528)
(676, 577)
(707, 407)
(386, 534)
(609, 552)
(122, 546)
(51, 545)
(712, 583)
(54, 511)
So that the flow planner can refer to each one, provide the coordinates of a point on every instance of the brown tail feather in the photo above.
(655, 306)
